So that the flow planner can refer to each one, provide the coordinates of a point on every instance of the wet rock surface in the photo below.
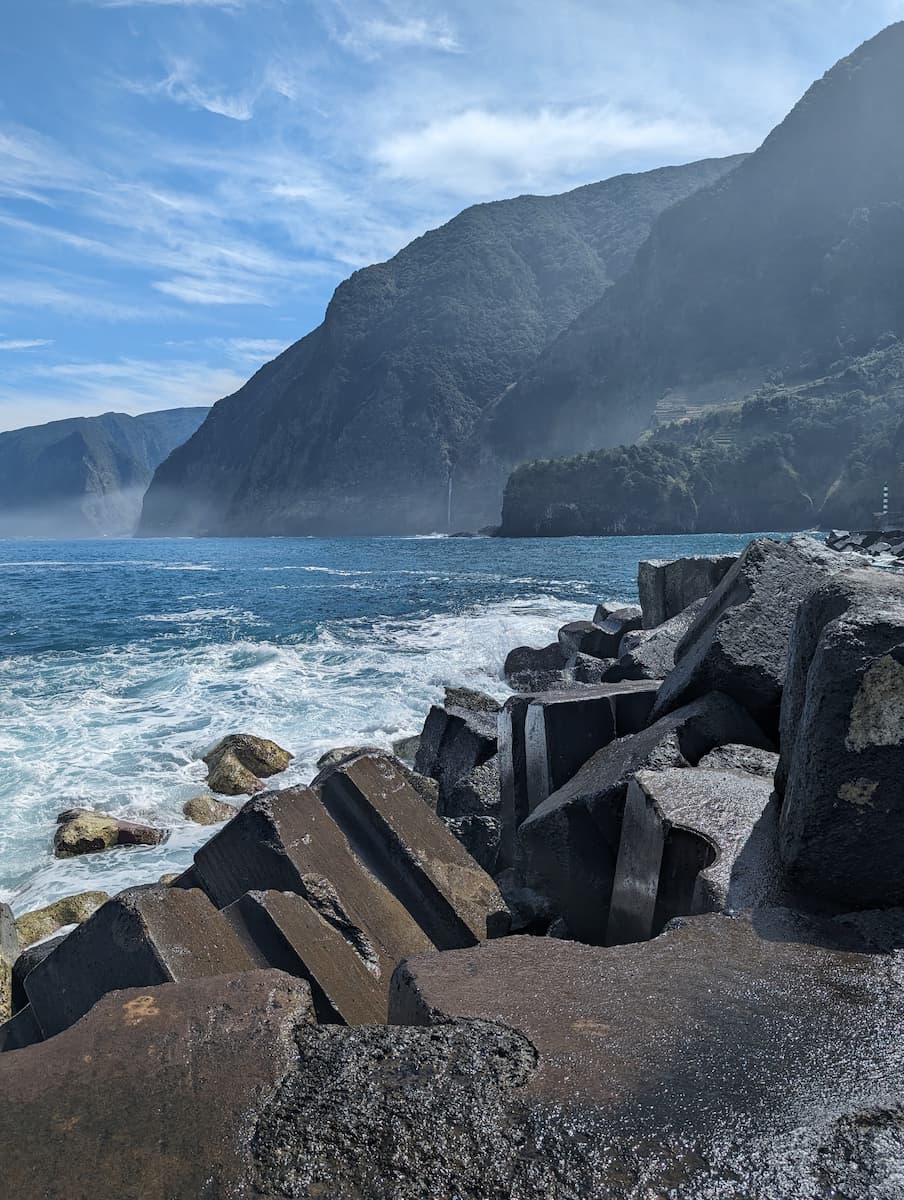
(239, 762)
(738, 643)
(71, 910)
(842, 824)
(80, 831)
(9, 952)
(650, 653)
(207, 810)
(568, 846)
(154, 1095)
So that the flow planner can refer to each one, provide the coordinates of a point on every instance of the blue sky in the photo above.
(184, 182)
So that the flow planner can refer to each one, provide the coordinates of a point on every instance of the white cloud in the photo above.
(77, 298)
(24, 343)
(369, 37)
(197, 291)
(477, 152)
(125, 385)
(181, 87)
(256, 348)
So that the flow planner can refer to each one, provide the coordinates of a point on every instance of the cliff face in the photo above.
(358, 427)
(85, 476)
(789, 262)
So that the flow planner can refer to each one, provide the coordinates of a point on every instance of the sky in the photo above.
(183, 183)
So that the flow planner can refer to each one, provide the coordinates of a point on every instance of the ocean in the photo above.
(122, 662)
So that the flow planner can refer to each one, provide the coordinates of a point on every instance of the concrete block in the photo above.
(142, 937)
(413, 854)
(282, 930)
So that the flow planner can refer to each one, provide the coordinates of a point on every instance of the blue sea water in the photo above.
(122, 662)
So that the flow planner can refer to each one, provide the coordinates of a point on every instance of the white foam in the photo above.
(123, 730)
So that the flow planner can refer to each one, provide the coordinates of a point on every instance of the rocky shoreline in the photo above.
(633, 933)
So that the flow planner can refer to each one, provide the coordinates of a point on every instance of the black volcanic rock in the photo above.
(356, 428)
(85, 476)
(788, 262)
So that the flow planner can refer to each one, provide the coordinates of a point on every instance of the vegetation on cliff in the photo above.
(789, 457)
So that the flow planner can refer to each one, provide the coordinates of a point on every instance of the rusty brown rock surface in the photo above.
(286, 932)
(142, 937)
(288, 842)
(409, 848)
(721, 1021)
(154, 1095)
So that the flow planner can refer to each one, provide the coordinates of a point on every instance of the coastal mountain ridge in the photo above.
(85, 476)
(361, 426)
(790, 262)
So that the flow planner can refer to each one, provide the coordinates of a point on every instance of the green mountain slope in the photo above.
(788, 458)
(85, 476)
(789, 262)
(358, 427)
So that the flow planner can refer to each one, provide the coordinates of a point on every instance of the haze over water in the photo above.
(122, 662)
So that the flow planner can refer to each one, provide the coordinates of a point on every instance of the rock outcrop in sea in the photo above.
(594, 950)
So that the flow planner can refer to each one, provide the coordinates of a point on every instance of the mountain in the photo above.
(787, 263)
(361, 426)
(85, 476)
(790, 457)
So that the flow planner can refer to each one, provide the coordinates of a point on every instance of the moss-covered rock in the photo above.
(82, 832)
(71, 910)
(206, 810)
(237, 764)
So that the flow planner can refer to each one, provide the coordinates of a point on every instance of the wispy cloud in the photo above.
(125, 385)
(369, 38)
(478, 153)
(24, 343)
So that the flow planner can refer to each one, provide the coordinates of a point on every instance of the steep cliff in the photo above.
(788, 262)
(360, 426)
(85, 476)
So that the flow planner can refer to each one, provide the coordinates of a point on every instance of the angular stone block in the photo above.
(738, 643)
(155, 1094)
(562, 730)
(667, 587)
(287, 842)
(26, 963)
(650, 653)
(741, 758)
(20, 1031)
(842, 822)
(568, 846)
(410, 850)
(140, 938)
(454, 741)
(692, 842)
(282, 930)
(527, 659)
(726, 1050)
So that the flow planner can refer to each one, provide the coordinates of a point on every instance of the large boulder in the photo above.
(842, 822)
(24, 965)
(206, 810)
(457, 737)
(42, 923)
(748, 759)
(524, 661)
(80, 831)
(287, 842)
(668, 586)
(472, 812)
(238, 763)
(155, 1095)
(143, 937)
(727, 1058)
(426, 788)
(692, 841)
(650, 653)
(562, 730)
(738, 643)
(409, 848)
(567, 848)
